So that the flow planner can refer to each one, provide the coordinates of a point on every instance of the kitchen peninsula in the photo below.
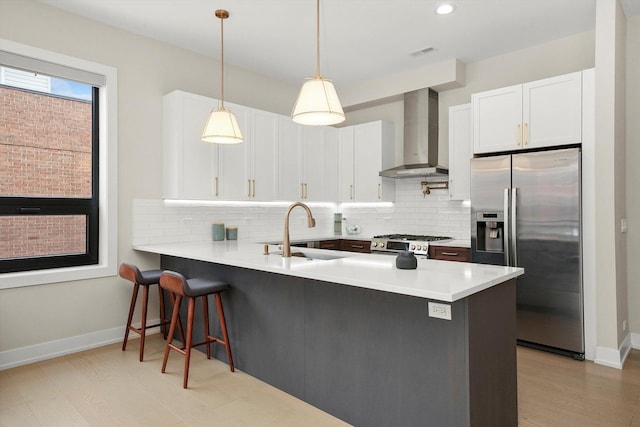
(352, 335)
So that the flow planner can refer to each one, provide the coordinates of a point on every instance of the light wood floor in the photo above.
(108, 387)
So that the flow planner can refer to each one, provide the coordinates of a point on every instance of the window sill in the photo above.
(56, 275)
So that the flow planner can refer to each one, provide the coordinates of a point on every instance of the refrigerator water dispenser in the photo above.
(490, 229)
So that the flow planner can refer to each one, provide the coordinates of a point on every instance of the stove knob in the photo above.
(419, 247)
(412, 247)
(374, 244)
(381, 245)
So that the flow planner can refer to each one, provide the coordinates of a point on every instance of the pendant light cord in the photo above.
(318, 39)
(222, 63)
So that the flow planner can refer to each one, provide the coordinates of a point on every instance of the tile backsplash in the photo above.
(157, 221)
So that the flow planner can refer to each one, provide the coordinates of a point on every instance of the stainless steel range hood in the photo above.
(420, 138)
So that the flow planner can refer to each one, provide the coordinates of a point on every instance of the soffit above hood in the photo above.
(420, 148)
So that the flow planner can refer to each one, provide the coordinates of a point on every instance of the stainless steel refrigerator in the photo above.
(526, 212)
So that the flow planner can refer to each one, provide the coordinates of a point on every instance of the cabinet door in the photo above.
(264, 156)
(497, 120)
(367, 162)
(313, 153)
(460, 149)
(289, 156)
(552, 111)
(450, 253)
(331, 154)
(235, 180)
(190, 166)
(345, 164)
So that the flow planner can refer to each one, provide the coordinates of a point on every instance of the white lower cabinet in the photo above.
(368, 147)
(460, 152)
(190, 166)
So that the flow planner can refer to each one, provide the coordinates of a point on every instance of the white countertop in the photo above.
(439, 280)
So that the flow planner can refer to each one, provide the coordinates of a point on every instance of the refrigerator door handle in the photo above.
(505, 232)
(514, 217)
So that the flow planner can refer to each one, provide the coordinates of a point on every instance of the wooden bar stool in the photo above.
(145, 279)
(191, 289)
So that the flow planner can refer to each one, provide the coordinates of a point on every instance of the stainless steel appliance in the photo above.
(526, 212)
(394, 243)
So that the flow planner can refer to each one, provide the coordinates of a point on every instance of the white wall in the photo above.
(611, 286)
(633, 174)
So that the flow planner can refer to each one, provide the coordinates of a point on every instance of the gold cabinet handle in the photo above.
(253, 184)
(216, 186)
(249, 188)
(449, 253)
(302, 190)
(351, 192)
(526, 134)
(306, 191)
(518, 135)
(379, 191)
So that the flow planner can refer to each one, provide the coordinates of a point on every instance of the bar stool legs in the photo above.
(143, 279)
(191, 290)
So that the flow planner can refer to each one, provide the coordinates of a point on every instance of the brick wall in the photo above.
(45, 145)
(45, 151)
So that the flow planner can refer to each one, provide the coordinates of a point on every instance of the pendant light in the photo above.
(222, 126)
(318, 102)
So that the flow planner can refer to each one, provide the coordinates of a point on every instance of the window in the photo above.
(49, 147)
(57, 167)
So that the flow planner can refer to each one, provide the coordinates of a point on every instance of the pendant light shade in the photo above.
(318, 102)
(222, 126)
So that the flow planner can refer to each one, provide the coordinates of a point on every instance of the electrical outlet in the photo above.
(440, 311)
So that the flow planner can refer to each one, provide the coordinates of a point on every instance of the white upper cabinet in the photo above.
(460, 152)
(542, 113)
(264, 158)
(289, 154)
(331, 163)
(372, 152)
(312, 172)
(308, 162)
(345, 164)
(234, 159)
(249, 170)
(190, 166)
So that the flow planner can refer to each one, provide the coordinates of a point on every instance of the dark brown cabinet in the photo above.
(450, 253)
(363, 246)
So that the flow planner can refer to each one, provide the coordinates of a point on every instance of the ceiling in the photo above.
(361, 40)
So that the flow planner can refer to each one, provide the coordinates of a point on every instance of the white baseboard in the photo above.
(52, 349)
(613, 358)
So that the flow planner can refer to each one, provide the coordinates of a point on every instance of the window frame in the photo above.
(102, 261)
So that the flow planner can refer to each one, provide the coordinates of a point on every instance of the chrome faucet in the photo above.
(286, 244)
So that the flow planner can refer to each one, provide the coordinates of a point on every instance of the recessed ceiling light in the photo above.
(444, 9)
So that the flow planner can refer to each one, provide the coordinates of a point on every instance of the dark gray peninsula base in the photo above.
(371, 358)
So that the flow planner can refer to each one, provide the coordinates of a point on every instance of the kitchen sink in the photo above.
(311, 256)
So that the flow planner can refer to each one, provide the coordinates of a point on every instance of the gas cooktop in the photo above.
(393, 243)
(411, 237)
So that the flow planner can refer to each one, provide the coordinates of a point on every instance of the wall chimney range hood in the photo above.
(420, 152)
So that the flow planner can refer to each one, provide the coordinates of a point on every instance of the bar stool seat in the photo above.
(191, 289)
(145, 279)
